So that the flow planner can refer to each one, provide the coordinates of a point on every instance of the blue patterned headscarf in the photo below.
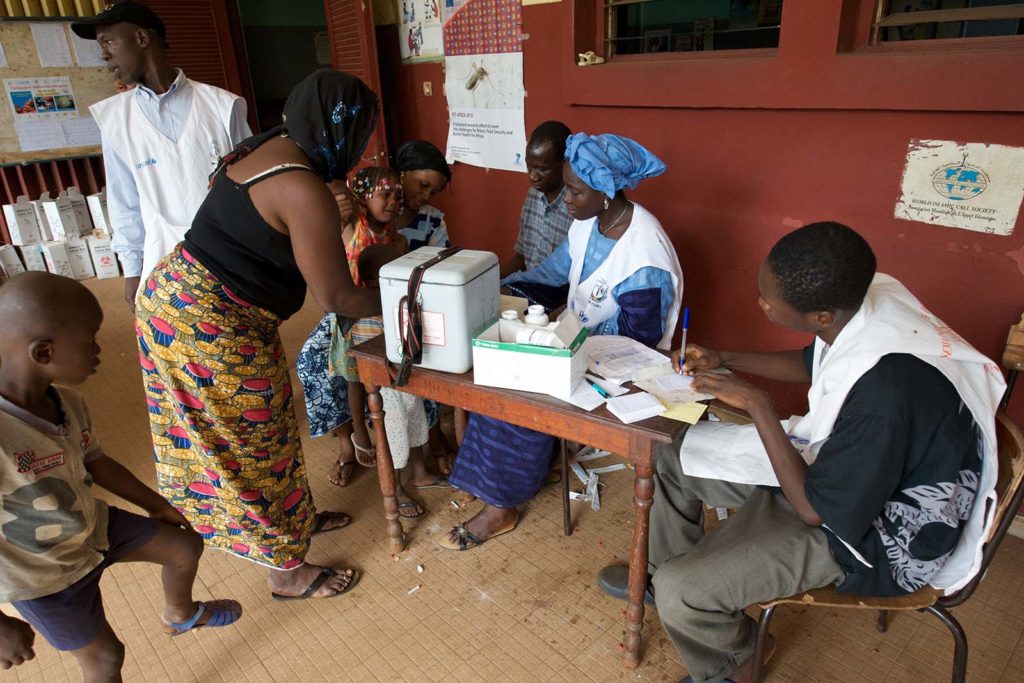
(609, 163)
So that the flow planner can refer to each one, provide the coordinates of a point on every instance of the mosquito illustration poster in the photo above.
(484, 84)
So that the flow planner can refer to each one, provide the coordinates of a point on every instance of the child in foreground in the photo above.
(56, 539)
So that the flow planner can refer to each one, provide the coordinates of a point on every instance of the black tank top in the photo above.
(230, 238)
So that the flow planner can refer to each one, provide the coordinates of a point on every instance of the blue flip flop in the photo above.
(222, 613)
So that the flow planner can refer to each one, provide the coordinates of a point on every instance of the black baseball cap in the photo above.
(128, 12)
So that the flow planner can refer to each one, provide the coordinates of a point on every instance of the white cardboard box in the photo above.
(540, 369)
(98, 210)
(58, 261)
(10, 262)
(62, 219)
(22, 222)
(81, 209)
(32, 257)
(81, 261)
(103, 258)
(46, 235)
(460, 295)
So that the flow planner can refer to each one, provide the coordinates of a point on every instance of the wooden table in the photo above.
(598, 428)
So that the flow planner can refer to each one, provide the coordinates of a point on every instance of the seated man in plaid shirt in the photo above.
(544, 221)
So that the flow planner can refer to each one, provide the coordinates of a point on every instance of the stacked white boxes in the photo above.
(57, 234)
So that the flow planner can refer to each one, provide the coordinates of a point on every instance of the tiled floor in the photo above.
(523, 608)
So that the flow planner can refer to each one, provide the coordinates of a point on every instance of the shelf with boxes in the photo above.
(68, 235)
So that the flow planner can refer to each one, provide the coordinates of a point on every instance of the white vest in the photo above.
(644, 244)
(891, 320)
(172, 178)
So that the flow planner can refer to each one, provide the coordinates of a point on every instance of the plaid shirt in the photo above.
(542, 227)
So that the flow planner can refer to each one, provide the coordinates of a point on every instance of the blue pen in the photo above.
(682, 347)
(598, 389)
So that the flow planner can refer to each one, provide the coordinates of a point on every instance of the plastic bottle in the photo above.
(538, 337)
(510, 315)
(536, 316)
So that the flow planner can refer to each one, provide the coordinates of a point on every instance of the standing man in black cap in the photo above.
(161, 140)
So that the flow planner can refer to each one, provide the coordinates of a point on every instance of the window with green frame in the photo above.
(665, 26)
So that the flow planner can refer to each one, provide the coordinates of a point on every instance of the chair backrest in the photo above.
(1009, 494)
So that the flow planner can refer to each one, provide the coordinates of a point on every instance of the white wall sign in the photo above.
(972, 186)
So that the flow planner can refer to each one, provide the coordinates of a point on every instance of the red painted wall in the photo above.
(738, 179)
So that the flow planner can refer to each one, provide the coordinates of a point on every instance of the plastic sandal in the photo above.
(367, 457)
(320, 580)
(222, 613)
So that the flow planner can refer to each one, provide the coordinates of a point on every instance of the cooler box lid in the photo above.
(459, 269)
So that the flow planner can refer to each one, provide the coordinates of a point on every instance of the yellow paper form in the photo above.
(685, 412)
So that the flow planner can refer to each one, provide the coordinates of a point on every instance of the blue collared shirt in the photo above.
(169, 113)
(543, 226)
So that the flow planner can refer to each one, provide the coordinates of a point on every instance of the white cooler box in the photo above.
(460, 296)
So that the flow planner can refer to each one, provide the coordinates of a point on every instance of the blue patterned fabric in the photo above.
(427, 229)
(326, 396)
(501, 464)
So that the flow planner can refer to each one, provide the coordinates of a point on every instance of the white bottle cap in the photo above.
(509, 315)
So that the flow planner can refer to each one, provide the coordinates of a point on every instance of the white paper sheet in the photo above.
(586, 397)
(87, 52)
(81, 132)
(51, 44)
(612, 388)
(36, 136)
(635, 407)
(730, 452)
(616, 357)
(3, 57)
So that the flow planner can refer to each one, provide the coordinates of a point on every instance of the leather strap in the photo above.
(410, 330)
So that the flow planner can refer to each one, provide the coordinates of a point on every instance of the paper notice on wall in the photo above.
(484, 84)
(87, 52)
(972, 186)
(419, 30)
(38, 135)
(51, 44)
(3, 57)
(41, 98)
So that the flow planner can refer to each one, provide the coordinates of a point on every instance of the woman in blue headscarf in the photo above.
(618, 273)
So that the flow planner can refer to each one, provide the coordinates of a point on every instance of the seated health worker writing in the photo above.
(881, 489)
(622, 277)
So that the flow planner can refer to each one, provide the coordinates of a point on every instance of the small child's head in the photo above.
(49, 328)
(379, 191)
(371, 260)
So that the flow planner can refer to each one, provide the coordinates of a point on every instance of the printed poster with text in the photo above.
(484, 83)
(972, 186)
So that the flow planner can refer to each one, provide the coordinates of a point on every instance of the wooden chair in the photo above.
(1009, 491)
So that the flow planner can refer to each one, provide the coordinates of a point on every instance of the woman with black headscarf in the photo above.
(424, 173)
(217, 385)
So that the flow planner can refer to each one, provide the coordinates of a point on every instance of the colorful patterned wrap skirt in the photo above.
(220, 401)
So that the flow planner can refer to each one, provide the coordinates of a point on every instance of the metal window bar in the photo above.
(886, 19)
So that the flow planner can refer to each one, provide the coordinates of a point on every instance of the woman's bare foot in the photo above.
(491, 521)
(294, 583)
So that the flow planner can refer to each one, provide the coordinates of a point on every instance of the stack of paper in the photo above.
(635, 407)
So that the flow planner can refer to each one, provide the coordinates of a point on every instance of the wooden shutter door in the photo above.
(203, 44)
(354, 51)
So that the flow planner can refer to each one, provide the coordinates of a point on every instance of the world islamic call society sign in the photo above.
(972, 186)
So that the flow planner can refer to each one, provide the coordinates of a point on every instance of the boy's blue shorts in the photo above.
(73, 617)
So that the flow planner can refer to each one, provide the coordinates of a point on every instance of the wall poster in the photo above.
(419, 30)
(484, 83)
(972, 186)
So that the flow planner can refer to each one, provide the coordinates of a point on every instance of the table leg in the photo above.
(461, 420)
(385, 470)
(566, 517)
(643, 494)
